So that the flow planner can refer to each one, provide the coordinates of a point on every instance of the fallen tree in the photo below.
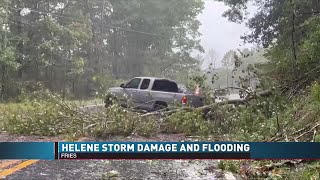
(250, 97)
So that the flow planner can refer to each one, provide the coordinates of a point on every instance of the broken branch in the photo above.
(234, 101)
(307, 132)
(270, 167)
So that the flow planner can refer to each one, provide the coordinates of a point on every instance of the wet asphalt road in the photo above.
(121, 169)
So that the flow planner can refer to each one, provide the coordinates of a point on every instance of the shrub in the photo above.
(189, 123)
(47, 114)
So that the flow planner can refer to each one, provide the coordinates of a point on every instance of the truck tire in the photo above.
(159, 106)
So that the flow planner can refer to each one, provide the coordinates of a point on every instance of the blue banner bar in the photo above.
(285, 150)
(27, 150)
(158, 150)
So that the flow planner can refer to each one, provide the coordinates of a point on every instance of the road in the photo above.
(104, 169)
(191, 170)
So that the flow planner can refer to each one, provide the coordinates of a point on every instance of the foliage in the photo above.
(265, 118)
(46, 114)
(77, 48)
(36, 116)
(315, 93)
(259, 170)
(229, 59)
(290, 31)
(192, 123)
(273, 118)
(231, 166)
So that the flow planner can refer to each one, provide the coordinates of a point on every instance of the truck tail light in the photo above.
(184, 100)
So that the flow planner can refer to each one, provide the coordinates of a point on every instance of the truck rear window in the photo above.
(165, 85)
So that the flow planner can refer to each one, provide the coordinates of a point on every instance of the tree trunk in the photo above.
(3, 83)
(294, 53)
(115, 54)
(73, 89)
(20, 44)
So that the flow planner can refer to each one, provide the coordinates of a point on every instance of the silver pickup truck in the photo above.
(152, 94)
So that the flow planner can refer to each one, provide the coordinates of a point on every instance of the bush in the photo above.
(315, 93)
(47, 114)
(189, 123)
(232, 166)
(116, 120)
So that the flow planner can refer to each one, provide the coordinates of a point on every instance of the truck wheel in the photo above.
(159, 106)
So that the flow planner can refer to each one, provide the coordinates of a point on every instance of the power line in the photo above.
(76, 19)
(81, 20)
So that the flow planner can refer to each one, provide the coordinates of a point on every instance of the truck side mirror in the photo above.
(122, 85)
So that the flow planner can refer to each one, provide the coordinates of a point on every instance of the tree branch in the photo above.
(234, 101)
(307, 132)
(310, 13)
(238, 88)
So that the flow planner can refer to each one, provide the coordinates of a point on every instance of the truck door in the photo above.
(131, 91)
(144, 95)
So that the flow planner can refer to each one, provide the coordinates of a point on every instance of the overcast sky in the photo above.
(217, 32)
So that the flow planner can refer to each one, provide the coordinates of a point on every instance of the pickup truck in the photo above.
(152, 94)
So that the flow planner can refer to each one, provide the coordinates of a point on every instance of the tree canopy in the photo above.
(78, 47)
(289, 29)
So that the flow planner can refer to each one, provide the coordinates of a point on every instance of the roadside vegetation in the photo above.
(47, 114)
(289, 33)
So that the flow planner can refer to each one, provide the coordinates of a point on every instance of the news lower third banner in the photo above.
(158, 150)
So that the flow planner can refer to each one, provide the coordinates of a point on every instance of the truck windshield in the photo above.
(165, 85)
(133, 84)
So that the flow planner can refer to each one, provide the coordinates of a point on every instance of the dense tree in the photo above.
(80, 47)
(8, 61)
(211, 60)
(290, 31)
(228, 59)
